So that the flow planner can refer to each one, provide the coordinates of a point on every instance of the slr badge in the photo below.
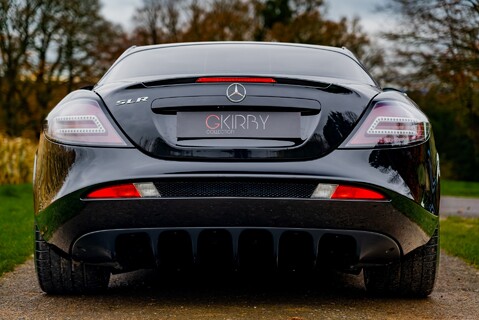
(130, 101)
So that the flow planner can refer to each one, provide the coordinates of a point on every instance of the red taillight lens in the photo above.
(391, 123)
(345, 192)
(356, 193)
(115, 192)
(81, 122)
(236, 79)
(127, 190)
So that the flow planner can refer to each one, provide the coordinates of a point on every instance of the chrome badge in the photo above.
(236, 92)
(130, 101)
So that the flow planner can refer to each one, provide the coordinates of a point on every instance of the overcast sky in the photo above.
(121, 11)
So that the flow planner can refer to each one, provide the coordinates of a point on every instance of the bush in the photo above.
(16, 160)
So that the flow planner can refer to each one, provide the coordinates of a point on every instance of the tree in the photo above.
(224, 20)
(276, 11)
(17, 29)
(47, 48)
(260, 20)
(302, 21)
(438, 49)
(158, 21)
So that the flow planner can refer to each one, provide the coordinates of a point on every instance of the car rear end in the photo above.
(225, 168)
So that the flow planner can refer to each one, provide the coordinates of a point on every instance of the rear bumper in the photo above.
(400, 219)
(65, 174)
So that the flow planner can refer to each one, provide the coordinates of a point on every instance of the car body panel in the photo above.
(327, 117)
(80, 169)
(146, 113)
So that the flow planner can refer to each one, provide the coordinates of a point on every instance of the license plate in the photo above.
(238, 125)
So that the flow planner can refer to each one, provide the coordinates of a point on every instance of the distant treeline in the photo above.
(51, 47)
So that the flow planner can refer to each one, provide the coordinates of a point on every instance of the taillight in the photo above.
(236, 79)
(81, 122)
(126, 191)
(115, 192)
(391, 123)
(349, 192)
(345, 192)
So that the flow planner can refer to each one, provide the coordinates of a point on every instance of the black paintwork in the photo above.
(328, 116)
(330, 113)
(63, 216)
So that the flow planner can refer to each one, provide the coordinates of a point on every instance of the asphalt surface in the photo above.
(147, 295)
(465, 207)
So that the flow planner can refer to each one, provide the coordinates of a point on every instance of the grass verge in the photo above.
(16, 225)
(459, 188)
(460, 237)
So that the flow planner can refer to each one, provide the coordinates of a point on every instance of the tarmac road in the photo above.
(455, 206)
(145, 295)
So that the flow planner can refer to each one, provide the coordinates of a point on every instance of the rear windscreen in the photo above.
(236, 59)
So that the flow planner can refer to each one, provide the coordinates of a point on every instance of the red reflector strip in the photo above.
(356, 193)
(115, 192)
(236, 79)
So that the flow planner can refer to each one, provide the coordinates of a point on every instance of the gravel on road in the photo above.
(146, 295)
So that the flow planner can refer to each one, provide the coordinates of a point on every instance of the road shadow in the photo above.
(224, 288)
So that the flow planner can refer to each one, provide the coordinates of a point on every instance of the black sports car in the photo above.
(237, 156)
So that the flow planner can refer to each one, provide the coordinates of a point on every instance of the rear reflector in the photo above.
(115, 192)
(122, 191)
(235, 79)
(348, 192)
(341, 192)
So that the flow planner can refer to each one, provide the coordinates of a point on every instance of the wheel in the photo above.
(58, 275)
(413, 276)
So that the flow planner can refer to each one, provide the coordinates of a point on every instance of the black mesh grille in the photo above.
(261, 189)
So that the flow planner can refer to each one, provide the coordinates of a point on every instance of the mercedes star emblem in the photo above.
(236, 92)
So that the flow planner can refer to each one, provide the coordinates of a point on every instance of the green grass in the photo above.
(459, 188)
(460, 237)
(16, 225)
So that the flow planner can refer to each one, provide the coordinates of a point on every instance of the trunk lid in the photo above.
(287, 120)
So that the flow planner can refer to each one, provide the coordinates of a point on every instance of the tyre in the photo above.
(59, 275)
(413, 276)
